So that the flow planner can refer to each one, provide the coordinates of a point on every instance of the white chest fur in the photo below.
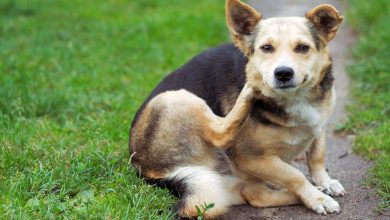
(305, 121)
(302, 113)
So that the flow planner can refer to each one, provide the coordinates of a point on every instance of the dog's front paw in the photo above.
(333, 188)
(320, 202)
(325, 204)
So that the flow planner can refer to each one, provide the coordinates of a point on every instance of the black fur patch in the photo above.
(259, 117)
(222, 166)
(326, 83)
(143, 142)
(153, 124)
(241, 20)
(208, 75)
(327, 21)
(314, 34)
(178, 188)
(267, 105)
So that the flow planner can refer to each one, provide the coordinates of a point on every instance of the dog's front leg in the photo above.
(315, 161)
(221, 131)
(271, 168)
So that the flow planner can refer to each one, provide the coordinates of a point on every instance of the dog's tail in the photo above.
(201, 186)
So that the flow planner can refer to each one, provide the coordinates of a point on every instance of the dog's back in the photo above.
(209, 76)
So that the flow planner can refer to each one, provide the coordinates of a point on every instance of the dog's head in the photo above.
(286, 54)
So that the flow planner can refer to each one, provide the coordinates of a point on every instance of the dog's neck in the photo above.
(299, 109)
(290, 108)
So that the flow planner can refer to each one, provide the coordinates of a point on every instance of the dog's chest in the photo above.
(304, 122)
(302, 113)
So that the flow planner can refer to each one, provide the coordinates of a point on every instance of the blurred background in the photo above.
(73, 74)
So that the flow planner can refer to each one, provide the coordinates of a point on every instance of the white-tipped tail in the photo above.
(206, 186)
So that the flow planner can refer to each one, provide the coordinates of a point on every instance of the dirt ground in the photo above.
(349, 169)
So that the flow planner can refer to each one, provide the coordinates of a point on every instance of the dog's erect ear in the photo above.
(326, 19)
(241, 20)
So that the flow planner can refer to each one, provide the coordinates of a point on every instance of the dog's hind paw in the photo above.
(247, 91)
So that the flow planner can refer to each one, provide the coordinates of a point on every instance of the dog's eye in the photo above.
(267, 48)
(302, 48)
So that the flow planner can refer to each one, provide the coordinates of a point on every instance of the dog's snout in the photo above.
(284, 73)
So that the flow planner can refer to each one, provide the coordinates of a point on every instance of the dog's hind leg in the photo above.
(259, 195)
(221, 131)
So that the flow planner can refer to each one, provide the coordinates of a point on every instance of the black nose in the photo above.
(284, 73)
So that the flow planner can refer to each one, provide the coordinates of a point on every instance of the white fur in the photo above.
(303, 113)
(207, 186)
(296, 139)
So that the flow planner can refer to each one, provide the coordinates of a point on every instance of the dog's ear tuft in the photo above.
(326, 19)
(241, 20)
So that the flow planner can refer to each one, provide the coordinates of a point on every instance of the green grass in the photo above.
(72, 75)
(370, 114)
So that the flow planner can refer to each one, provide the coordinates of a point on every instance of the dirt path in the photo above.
(349, 169)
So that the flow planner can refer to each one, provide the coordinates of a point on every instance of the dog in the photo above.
(224, 127)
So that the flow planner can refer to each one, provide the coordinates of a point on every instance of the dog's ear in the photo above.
(326, 19)
(242, 20)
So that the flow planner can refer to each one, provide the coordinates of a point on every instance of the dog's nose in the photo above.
(284, 73)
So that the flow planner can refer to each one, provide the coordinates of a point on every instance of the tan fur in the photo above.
(155, 174)
(186, 133)
(201, 122)
(278, 146)
(221, 131)
(138, 131)
(259, 195)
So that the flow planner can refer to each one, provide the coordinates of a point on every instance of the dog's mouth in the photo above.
(289, 86)
(285, 87)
